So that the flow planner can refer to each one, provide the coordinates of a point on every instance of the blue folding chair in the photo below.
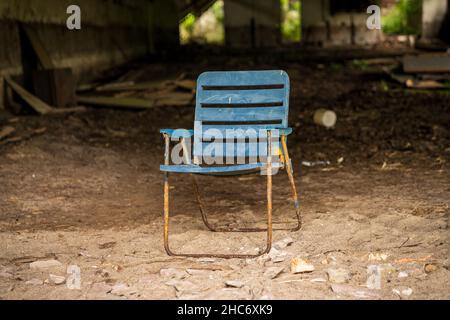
(251, 105)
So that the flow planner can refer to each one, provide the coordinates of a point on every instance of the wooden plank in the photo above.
(241, 114)
(36, 103)
(235, 78)
(189, 168)
(424, 84)
(39, 49)
(426, 63)
(241, 96)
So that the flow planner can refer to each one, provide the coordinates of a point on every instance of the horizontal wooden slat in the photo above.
(220, 149)
(215, 170)
(245, 87)
(241, 114)
(237, 97)
(208, 131)
(218, 78)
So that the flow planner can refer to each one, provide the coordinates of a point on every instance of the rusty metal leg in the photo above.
(166, 196)
(225, 256)
(290, 173)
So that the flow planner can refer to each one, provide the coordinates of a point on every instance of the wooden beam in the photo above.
(426, 63)
(39, 49)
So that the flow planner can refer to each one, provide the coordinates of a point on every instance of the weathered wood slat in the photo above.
(241, 114)
(426, 63)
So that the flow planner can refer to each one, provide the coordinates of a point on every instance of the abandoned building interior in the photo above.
(85, 90)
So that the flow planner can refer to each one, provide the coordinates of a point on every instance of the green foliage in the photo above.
(207, 28)
(291, 26)
(402, 19)
(360, 64)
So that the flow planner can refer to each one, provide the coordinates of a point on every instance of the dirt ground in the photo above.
(85, 189)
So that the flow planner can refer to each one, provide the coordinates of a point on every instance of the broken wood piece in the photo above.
(37, 104)
(6, 131)
(186, 84)
(114, 85)
(424, 84)
(380, 61)
(26, 136)
(426, 63)
(408, 260)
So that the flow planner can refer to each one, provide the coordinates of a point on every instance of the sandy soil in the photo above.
(87, 191)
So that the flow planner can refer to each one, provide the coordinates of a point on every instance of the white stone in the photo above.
(121, 289)
(273, 272)
(403, 274)
(407, 292)
(173, 273)
(34, 282)
(57, 279)
(358, 292)
(298, 265)
(234, 283)
(279, 245)
(43, 264)
(339, 275)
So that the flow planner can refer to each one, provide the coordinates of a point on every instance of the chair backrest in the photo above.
(239, 101)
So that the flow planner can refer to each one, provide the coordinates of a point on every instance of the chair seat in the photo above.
(231, 169)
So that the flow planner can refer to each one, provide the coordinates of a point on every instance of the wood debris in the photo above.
(37, 104)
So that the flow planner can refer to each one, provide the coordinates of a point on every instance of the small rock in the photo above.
(273, 272)
(277, 256)
(57, 279)
(100, 288)
(194, 272)
(402, 274)
(429, 267)
(121, 289)
(182, 286)
(405, 292)
(317, 280)
(107, 245)
(234, 283)
(339, 275)
(35, 282)
(279, 245)
(357, 217)
(357, 292)
(206, 260)
(299, 265)
(377, 256)
(43, 264)
(173, 273)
